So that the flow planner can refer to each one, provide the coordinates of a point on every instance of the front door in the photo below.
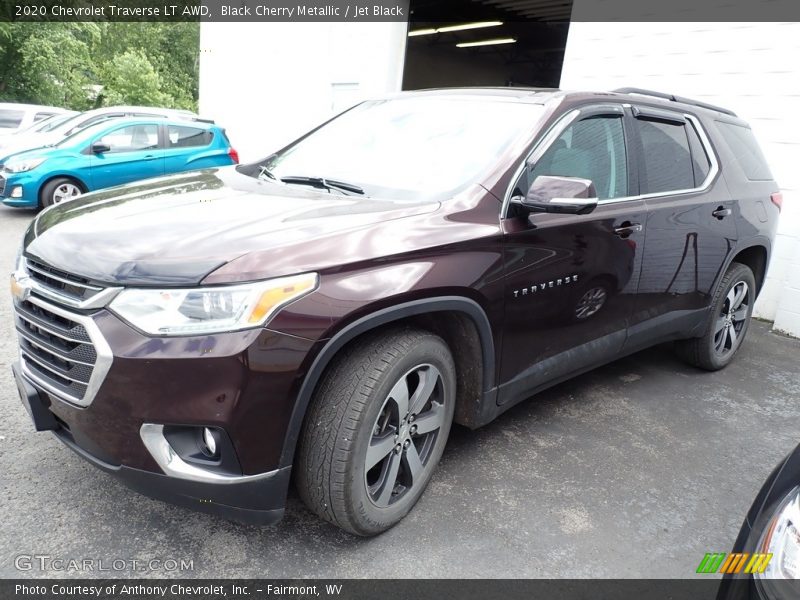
(571, 280)
(133, 153)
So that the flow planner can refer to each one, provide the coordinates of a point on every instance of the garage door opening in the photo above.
(486, 43)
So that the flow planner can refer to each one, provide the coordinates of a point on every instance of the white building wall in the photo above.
(267, 83)
(751, 68)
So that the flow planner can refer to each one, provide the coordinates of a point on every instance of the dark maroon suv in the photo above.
(429, 258)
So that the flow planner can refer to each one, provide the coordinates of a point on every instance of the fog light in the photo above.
(210, 441)
(16, 191)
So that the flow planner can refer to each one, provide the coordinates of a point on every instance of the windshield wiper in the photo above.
(324, 183)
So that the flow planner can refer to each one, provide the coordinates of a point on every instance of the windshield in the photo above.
(46, 124)
(407, 148)
(76, 123)
(51, 123)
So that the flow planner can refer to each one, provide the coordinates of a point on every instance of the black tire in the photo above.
(353, 411)
(724, 331)
(49, 193)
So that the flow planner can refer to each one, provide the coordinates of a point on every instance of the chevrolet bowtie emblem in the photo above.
(20, 288)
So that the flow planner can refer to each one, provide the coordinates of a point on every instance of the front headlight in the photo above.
(781, 539)
(23, 164)
(201, 311)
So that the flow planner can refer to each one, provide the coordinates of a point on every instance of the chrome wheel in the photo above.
(591, 302)
(732, 319)
(65, 191)
(404, 435)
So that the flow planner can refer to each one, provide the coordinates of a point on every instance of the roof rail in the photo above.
(673, 98)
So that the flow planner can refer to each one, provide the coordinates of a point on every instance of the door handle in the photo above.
(627, 228)
(721, 212)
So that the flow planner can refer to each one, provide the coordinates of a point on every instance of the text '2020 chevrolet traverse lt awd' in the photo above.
(425, 259)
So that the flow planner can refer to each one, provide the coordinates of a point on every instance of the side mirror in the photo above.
(99, 148)
(566, 195)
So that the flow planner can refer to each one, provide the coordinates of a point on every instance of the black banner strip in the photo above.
(355, 11)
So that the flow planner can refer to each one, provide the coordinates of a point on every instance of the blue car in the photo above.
(111, 153)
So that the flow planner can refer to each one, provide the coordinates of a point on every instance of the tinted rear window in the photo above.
(10, 119)
(188, 137)
(745, 148)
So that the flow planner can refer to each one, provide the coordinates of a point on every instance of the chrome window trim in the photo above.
(565, 121)
(101, 366)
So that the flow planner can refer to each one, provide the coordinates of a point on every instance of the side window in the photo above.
(593, 148)
(700, 162)
(42, 115)
(131, 138)
(745, 148)
(666, 160)
(187, 137)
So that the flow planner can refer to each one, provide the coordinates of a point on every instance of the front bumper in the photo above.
(243, 383)
(255, 499)
(29, 186)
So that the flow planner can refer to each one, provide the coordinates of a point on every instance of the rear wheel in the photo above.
(58, 190)
(728, 321)
(376, 429)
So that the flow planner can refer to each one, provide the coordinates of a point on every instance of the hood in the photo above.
(177, 230)
(23, 143)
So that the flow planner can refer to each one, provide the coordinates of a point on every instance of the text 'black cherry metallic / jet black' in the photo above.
(330, 310)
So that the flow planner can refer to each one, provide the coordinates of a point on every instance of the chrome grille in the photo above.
(55, 279)
(61, 350)
(2, 185)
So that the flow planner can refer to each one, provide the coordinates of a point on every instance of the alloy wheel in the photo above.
(732, 320)
(65, 191)
(404, 435)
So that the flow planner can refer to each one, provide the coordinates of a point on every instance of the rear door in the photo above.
(133, 153)
(571, 280)
(188, 148)
(691, 225)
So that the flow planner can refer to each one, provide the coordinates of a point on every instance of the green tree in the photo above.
(57, 63)
(66, 64)
(131, 79)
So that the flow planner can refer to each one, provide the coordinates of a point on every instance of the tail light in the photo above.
(235, 156)
(777, 199)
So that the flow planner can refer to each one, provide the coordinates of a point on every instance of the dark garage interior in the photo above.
(491, 43)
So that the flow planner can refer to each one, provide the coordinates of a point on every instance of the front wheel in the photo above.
(728, 321)
(376, 429)
(59, 190)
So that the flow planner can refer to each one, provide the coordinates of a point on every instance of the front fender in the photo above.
(378, 318)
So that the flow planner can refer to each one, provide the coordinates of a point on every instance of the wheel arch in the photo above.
(457, 319)
(52, 177)
(756, 257)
